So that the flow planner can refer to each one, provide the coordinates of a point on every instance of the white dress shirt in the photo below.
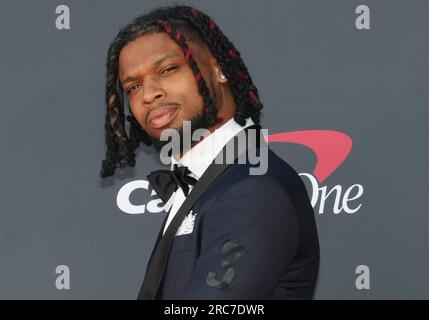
(199, 158)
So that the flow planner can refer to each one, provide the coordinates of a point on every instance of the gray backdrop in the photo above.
(315, 70)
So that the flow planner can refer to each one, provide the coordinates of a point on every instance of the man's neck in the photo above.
(211, 129)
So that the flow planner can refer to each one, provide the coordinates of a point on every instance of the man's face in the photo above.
(160, 85)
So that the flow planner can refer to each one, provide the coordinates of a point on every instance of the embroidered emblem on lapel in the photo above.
(187, 225)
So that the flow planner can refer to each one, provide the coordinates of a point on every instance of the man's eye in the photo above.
(168, 69)
(130, 90)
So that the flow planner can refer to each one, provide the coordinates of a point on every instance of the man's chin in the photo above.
(198, 122)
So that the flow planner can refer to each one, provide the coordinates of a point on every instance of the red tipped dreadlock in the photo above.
(252, 95)
(232, 54)
(188, 54)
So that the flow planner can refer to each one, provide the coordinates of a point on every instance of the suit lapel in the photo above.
(159, 236)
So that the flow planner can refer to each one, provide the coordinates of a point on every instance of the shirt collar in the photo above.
(199, 157)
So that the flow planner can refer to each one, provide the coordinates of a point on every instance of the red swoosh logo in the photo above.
(331, 148)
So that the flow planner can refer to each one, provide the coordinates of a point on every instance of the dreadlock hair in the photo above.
(179, 22)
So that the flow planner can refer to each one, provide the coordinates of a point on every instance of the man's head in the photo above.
(174, 65)
(162, 89)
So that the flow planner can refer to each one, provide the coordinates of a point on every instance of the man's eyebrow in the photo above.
(155, 65)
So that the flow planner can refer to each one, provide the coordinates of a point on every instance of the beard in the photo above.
(199, 121)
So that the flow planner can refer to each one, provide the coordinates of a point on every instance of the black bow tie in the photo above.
(165, 182)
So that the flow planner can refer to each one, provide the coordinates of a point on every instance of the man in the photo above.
(229, 234)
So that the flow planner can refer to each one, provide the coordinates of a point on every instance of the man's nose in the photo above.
(152, 91)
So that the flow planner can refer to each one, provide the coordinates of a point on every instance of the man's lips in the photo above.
(161, 117)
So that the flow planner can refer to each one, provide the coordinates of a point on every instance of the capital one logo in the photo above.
(331, 149)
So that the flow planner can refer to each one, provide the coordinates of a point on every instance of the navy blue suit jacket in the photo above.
(254, 237)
